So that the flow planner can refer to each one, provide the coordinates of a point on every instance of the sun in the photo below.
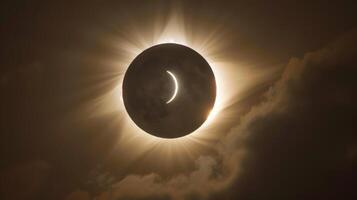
(159, 110)
(173, 32)
(211, 45)
(211, 113)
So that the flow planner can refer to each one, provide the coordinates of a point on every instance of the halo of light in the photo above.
(210, 44)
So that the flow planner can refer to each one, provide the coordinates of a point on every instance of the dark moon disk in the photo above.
(148, 86)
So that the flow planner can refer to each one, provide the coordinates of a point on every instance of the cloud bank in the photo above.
(286, 146)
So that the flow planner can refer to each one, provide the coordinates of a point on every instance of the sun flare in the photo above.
(176, 87)
(211, 45)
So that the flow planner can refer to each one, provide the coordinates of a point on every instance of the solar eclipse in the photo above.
(169, 90)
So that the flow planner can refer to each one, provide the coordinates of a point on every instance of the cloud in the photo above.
(286, 146)
(197, 182)
(300, 141)
(79, 195)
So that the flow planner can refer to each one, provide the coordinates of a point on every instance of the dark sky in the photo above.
(298, 124)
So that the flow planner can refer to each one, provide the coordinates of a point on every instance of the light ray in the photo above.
(233, 79)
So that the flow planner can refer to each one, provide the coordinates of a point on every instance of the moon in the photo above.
(151, 95)
(176, 87)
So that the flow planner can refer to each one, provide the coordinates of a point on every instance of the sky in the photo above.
(284, 122)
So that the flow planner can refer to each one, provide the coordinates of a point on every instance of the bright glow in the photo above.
(207, 43)
(176, 87)
(233, 83)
